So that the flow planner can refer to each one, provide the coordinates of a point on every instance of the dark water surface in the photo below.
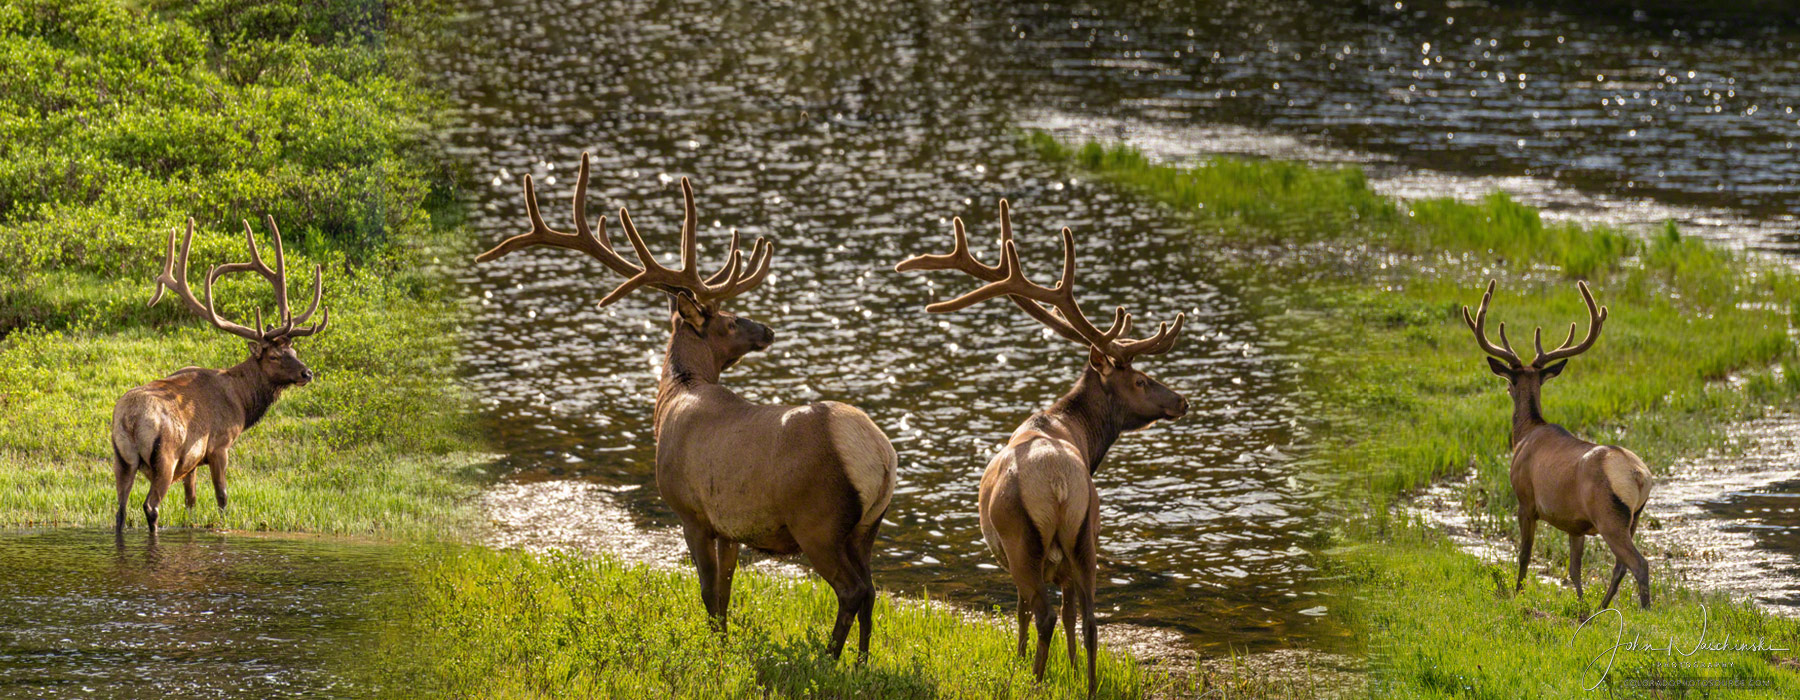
(1770, 514)
(196, 615)
(1688, 108)
(850, 133)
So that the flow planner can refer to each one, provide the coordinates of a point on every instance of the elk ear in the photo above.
(255, 348)
(1100, 361)
(1500, 368)
(1552, 370)
(690, 311)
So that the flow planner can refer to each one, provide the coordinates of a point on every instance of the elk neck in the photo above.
(1528, 411)
(1087, 415)
(689, 362)
(252, 389)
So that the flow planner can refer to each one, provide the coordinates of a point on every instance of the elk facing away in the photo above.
(1040, 513)
(784, 479)
(1578, 486)
(171, 426)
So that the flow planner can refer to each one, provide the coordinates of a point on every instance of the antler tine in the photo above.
(594, 242)
(317, 296)
(1162, 342)
(761, 253)
(324, 319)
(1055, 307)
(732, 258)
(286, 315)
(960, 259)
(690, 222)
(175, 273)
(212, 313)
(1478, 323)
(653, 272)
(1596, 318)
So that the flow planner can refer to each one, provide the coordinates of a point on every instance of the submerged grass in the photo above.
(120, 120)
(1698, 338)
(510, 624)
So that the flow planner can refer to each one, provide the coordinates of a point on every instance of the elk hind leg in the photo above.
(1032, 594)
(124, 475)
(837, 565)
(162, 476)
(1084, 580)
(1577, 543)
(1071, 600)
(865, 617)
(1627, 558)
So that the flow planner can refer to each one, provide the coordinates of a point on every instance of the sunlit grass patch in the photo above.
(514, 624)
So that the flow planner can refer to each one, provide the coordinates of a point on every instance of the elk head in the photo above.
(1136, 399)
(695, 316)
(271, 347)
(1525, 381)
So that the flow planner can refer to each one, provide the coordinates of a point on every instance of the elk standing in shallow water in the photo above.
(784, 479)
(1040, 513)
(1578, 486)
(171, 426)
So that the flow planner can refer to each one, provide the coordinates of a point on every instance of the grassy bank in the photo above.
(1405, 398)
(120, 120)
(514, 625)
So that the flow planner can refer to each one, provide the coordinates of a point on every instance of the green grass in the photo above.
(119, 121)
(508, 624)
(1405, 397)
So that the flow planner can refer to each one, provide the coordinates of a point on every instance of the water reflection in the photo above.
(190, 614)
(851, 143)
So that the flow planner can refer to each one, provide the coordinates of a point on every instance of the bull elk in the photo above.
(171, 426)
(1578, 486)
(1040, 512)
(815, 479)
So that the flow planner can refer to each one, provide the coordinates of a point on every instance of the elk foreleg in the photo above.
(1577, 543)
(727, 561)
(217, 463)
(187, 488)
(1527, 533)
(703, 549)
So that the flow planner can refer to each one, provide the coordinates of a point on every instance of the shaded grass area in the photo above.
(120, 120)
(1697, 339)
(507, 624)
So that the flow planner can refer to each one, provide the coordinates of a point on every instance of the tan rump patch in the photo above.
(1627, 476)
(868, 458)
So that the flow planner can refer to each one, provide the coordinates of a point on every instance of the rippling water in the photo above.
(196, 615)
(1688, 110)
(850, 134)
